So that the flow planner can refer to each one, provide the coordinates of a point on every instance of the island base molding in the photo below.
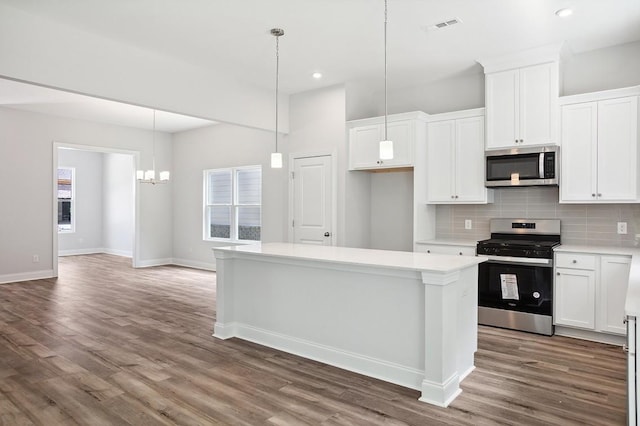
(414, 329)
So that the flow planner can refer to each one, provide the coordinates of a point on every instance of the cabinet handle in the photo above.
(593, 195)
(558, 273)
(574, 261)
(599, 194)
(452, 196)
(428, 251)
(460, 253)
(521, 140)
(456, 196)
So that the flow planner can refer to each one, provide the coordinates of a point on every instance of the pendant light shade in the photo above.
(149, 176)
(386, 146)
(276, 160)
(276, 157)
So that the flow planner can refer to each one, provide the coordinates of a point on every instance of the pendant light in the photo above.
(149, 176)
(386, 146)
(276, 157)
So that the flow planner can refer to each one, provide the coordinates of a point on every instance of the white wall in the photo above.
(87, 237)
(26, 228)
(42, 51)
(214, 147)
(118, 226)
(602, 69)
(391, 222)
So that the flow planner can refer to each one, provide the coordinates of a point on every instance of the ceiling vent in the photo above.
(445, 24)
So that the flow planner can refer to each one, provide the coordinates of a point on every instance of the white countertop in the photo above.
(356, 256)
(450, 242)
(632, 302)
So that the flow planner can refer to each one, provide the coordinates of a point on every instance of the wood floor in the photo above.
(105, 344)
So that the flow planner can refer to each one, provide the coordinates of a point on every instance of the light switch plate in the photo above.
(467, 224)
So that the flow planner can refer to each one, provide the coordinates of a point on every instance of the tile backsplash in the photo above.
(584, 224)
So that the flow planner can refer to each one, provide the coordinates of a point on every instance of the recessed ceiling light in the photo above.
(317, 75)
(563, 13)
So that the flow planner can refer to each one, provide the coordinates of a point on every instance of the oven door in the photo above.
(517, 286)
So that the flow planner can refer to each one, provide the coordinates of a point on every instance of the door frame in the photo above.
(136, 198)
(334, 191)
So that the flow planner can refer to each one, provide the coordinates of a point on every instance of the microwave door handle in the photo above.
(541, 166)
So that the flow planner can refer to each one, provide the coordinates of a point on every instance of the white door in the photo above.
(537, 105)
(617, 149)
(470, 160)
(574, 299)
(503, 97)
(579, 152)
(614, 280)
(440, 161)
(312, 200)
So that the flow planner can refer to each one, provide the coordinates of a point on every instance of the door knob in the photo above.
(326, 234)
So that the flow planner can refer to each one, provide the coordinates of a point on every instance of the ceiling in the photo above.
(343, 39)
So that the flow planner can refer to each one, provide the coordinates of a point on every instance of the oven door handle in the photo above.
(529, 261)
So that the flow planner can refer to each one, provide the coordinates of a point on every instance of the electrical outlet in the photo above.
(36, 258)
(622, 227)
(468, 224)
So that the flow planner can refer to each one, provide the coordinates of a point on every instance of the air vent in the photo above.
(445, 24)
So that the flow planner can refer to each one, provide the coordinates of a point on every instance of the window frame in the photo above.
(72, 200)
(234, 206)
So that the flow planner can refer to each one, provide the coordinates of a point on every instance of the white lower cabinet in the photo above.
(590, 291)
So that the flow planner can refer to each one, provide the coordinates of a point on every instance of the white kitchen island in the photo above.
(406, 318)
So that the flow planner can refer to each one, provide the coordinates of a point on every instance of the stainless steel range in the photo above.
(515, 286)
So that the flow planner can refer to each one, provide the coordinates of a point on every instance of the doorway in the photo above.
(312, 201)
(95, 196)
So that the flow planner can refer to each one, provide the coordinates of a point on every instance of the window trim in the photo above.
(73, 200)
(234, 205)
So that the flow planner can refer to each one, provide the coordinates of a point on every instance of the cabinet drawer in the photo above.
(446, 249)
(575, 261)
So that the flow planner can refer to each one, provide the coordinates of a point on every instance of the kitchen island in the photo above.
(403, 317)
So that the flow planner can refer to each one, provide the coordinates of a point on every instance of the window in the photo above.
(66, 204)
(232, 204)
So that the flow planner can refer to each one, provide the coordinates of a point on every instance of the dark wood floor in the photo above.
(105, 344)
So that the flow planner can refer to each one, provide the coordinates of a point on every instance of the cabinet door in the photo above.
(579, 157)
(538, 104)
(574, 299)
(614, 279)
(502, 99)
(364, 147)
(617, 149)
(440, 161)
(469, 157)
(402, 133)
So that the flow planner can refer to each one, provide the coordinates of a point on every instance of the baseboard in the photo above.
(373, 367)
(154, 262)
(77, 252)
(611, 339)
(26, 276)
(194, 264)
(115, 252)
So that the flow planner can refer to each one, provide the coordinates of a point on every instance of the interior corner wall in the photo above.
(26, 228)
(87, 235)
(118, 228)
(219, 146)
(602, 69)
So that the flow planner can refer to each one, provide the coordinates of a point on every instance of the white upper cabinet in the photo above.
(522, 106)
(600, 151)
(365, 136)
(455, 159)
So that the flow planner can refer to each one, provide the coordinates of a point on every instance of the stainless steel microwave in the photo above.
(534, 166)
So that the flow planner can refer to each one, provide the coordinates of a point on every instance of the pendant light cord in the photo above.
(153, 136)
(277, 73)
(385, 71)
